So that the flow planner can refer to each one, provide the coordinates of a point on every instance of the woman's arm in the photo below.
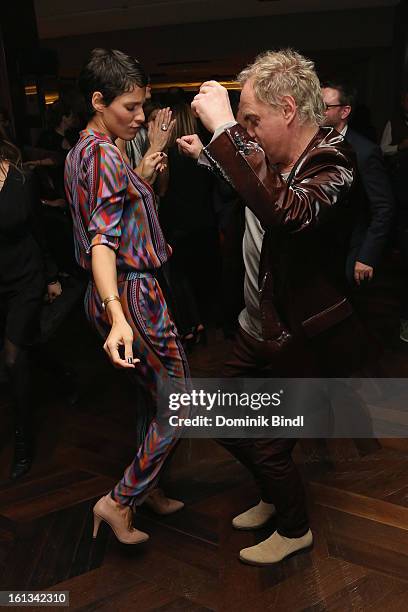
(121, 334)
(107, 186)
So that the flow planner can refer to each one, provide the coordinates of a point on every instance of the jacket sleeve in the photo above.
(322, 177)
(381, 202)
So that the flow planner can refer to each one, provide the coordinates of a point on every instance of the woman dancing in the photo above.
(119, 240)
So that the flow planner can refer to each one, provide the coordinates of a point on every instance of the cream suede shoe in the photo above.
(255, 517)
(275, 549)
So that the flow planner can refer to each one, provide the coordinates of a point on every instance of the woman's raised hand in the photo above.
(161, 129)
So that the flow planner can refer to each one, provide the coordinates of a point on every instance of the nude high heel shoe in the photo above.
(119, 519)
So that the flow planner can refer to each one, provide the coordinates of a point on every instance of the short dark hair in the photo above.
(347, 93)
(112, 73)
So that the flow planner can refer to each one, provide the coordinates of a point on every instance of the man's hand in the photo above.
(212, 106)
(190, 145)
(362, 272)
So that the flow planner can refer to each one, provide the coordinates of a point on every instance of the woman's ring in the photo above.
(164, 127)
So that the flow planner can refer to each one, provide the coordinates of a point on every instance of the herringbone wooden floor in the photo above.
(358, 495)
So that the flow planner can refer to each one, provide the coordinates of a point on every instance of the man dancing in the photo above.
(297, 322)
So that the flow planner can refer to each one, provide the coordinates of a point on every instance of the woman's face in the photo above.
(124, 116)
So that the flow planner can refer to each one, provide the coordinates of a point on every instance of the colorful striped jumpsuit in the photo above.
(111, 205)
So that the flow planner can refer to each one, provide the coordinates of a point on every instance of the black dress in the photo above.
(23, 262)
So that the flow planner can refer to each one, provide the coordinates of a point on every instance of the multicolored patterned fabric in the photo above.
(111, 205)
(161, 355)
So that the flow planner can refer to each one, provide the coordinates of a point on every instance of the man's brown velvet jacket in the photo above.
(307, 224)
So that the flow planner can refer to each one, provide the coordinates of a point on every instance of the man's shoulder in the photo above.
(361, 144)
(329, 145)
(327, 155)
(329, 138)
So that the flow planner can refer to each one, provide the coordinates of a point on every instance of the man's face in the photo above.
(267, 125)
(336, 114)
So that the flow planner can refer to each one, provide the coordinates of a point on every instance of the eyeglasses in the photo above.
(327, 106)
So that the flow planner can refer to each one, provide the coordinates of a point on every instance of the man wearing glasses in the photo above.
(375, 204)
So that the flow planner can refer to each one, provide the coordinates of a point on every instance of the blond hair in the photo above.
(275, 74)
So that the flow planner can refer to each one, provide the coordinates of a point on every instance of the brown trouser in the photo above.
(270, 460)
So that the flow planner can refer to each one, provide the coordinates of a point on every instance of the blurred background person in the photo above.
(137, 147)
(190, 226)
(394, 143)
(26, 270)
(372, 201)
(6, 129)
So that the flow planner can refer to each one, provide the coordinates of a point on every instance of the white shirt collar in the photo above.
(344, 130)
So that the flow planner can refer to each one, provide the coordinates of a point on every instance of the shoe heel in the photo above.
(97, 522)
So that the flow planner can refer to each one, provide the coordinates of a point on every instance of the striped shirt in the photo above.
(111, 205)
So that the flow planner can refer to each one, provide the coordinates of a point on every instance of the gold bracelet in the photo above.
(110, 298)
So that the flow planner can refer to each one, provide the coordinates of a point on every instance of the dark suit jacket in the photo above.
(374, 204)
